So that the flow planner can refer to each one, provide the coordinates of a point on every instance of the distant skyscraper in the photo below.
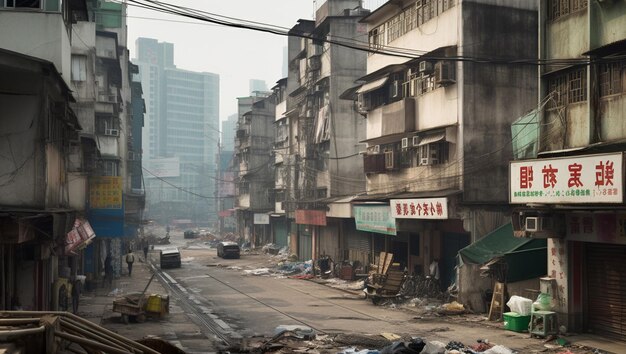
(257, 85)
(181, 123)
(228, 133)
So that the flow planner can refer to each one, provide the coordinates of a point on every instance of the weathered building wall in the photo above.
(612, 122)
(435, 38)
(48, 37)
(22, 169)
(494, 95)
(347, 126)
(607, 22)
(564, 37)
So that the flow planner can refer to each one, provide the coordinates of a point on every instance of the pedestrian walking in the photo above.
(130, 259)
(145, 251)
(108, 270)
(76, 290)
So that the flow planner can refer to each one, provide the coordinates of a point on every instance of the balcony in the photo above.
(398, 117)
(374, 163)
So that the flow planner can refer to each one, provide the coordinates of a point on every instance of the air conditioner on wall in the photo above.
(112, 132)
(538, 223)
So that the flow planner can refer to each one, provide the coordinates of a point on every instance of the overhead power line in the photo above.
(167, 8)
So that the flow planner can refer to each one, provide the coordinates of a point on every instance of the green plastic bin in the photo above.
(513, 321)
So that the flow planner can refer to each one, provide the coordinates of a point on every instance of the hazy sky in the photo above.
(237, 55)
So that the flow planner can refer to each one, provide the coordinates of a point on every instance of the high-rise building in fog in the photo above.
(228, 132)
(181, 134)
(257, 85)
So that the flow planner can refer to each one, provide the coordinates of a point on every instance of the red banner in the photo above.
(311, 217)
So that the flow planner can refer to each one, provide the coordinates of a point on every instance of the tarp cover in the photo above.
(498, 243)
(526, 258)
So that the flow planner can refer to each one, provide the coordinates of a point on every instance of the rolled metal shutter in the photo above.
(329, 241)
(606, 289)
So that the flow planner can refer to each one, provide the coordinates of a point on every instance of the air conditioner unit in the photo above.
(538, 223)
(405, 143)
(444, 73)
(415, 141)
(426, 67)
(424, 161)
(112, 132)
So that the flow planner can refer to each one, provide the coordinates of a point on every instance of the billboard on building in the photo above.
(421, 208)
(571, 180)
(159, 168)
(105, 192)
(375, 218)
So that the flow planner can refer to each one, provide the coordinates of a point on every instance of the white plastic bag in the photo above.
(521, 305)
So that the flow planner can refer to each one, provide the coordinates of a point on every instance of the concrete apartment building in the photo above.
(319, 132)
(255, 178)
(567, 182)
(438, 128)
(74, 67)
(181, 136)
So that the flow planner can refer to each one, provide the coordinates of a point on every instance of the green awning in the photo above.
(526, 257)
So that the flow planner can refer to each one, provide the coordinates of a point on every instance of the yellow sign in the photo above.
(105, 192)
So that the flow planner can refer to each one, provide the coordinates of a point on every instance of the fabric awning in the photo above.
(432, 138)
(371, 86)
(526, 258)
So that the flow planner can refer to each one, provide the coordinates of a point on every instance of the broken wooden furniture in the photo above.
(385, 280)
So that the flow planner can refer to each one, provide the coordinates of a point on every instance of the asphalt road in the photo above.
(217, 293)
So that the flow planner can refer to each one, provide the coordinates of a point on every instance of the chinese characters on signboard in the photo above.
(424, 208)
(580, 179)
(374, 218)
(105, 192)
(311, 217)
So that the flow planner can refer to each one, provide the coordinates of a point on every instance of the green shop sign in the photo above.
(375, 218)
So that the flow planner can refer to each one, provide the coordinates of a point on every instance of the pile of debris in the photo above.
(58, 332)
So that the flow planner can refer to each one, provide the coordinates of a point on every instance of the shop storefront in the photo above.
(577, 203)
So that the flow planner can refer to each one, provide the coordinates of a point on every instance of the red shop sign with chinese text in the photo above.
(571, 180)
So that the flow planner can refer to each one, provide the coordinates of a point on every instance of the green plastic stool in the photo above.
(543, 323)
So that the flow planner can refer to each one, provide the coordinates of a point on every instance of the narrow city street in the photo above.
(232, 308)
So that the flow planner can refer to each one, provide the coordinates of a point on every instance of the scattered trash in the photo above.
(453, 307)
(415, 346)
(454, 345)
(258, 271)
(116, 292)
(434, 347)
(390, 336)
(303, 332)
(354, 351)
(498, 349)
(562, 342)
(521, 305)
(565, 352)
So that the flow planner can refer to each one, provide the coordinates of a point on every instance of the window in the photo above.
(390, 160)
(109, 168)
(610, 77)
(33, 4)
(377, 37)
(567, 87)
(107, 125)
(433, 154)
(79, 68)
(559, 8)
